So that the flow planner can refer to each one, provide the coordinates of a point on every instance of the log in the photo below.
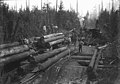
(16, 57)
(97, 60)
(45, 65)
(102, 47)
(54, 38)
(84, 61)
(106, 66)
(87, 62)
(56, 42)
(13, 50)
(28, 67)
(9, 45)
(52, 35)
(86, 54)
(44, 56)
(51, 61)
(81, 57)
(93, 58)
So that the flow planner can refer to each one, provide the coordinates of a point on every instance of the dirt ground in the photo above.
(64, 72)
(69, 71)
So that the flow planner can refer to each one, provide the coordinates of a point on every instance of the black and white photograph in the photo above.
(59, 41)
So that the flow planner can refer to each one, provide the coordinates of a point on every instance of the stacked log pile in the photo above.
(18, 60)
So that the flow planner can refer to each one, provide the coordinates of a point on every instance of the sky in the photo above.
(93, 6)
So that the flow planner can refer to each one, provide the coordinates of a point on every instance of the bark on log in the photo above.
(9, 45)
(51, 61)
(16, 57)
(28, 67)
(45, 65)
(86, 54)
(13, 50)
(81, 57)
(97, 60)
(87, 62)
(50, 35)
(84, 61)
(56, 42)
(54, 38)
(102, 47)
(106, 66)
(49, 54)
(93, 58)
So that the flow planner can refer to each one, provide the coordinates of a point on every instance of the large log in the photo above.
(102, 47)
(97, 60)
(13, 50)
(50, 35)
(45, 65)
(87, 62)
(44, 56)
(56, 42)
(9, 45)
(81, 57)
(51, 61)
(54, 38)
(84, 61)
(93, 58)
(28, 67)
(106, 66)
(16, 57)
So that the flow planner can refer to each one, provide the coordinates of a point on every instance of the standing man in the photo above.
(45, 29)
(56, 29)
(80, 46)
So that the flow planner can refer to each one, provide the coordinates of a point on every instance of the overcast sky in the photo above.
(83, 5)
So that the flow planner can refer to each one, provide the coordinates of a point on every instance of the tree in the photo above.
(26, 23)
